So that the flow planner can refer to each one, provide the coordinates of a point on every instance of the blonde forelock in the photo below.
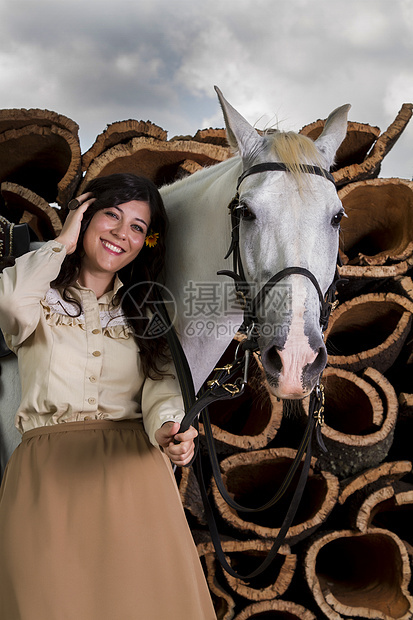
(295, 151)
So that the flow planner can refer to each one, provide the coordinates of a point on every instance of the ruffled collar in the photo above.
(58, 311)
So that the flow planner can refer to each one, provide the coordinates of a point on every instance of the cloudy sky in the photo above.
(277, 61)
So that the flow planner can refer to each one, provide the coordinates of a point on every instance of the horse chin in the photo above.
(285, 389)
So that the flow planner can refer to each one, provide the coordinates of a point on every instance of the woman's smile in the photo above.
(113, 239)
(115, 249)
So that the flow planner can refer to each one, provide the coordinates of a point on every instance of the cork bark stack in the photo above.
(349, 551)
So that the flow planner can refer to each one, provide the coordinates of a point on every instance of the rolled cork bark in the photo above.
(368, 330)
(360, 575)
(370, 167)
(155, 159)
(379, 498)
(378, 232)
(44, 159)
(382, 475)
(390, 508)
(186, 168)
(406, 403)
(118, 133)
(28, 206)
(360, 417)
(406, 284)
(212, 136)
(246, 556)
(191, 495)
(359, 139)
(357, 164)
(252, 478)
(16, 118)
(224, 603)
(275, 610)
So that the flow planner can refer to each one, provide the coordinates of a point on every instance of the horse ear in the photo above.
(333, 134)
(241, 135)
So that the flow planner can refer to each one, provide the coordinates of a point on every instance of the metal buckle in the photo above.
(239, 385)
(227, 367)
(213, 382)
(232, 388)
(319, 410)
(242, 298)
(247, 354)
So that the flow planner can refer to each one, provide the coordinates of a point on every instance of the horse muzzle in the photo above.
(293, 372)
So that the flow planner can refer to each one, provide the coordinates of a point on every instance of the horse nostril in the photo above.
(272, 360)
(321, 359)
(313, 370)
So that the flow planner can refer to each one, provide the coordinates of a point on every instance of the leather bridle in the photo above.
(242, 287)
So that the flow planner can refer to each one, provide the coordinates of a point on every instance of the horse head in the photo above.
(288, 218)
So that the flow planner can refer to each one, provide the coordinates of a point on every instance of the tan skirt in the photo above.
(92, 528)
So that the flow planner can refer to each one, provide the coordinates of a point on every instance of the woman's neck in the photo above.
(98, 283)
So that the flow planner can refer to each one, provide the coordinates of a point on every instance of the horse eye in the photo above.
(336, 219)
(244, 212)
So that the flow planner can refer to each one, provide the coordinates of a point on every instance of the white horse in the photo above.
(288, 219)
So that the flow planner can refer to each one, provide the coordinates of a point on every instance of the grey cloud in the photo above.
(294, 61)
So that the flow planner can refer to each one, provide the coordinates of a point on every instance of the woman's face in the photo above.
(115, 237)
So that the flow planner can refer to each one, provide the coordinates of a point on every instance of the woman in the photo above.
(91, 523)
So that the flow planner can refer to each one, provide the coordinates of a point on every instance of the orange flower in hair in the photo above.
(151, 239)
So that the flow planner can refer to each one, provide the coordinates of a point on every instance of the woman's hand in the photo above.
(180, 454)
(71, 228)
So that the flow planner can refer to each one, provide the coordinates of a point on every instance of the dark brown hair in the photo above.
(137, 277)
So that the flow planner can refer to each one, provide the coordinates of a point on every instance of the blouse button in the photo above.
(91, 401)
(92, 379)
(95, 331)
(57, 249)
(96, 353)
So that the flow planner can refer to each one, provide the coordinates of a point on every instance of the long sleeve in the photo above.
(23, 286)
(161, 402)
(99, 372)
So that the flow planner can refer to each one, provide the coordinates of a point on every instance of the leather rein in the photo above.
(225, 385)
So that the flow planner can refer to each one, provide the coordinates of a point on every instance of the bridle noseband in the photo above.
(243, 288)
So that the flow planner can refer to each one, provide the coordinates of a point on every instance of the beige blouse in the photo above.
(75, 368)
